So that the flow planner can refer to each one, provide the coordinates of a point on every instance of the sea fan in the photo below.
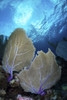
(43, 73)
(18, 53)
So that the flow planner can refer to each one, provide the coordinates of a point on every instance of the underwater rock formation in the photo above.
(43, 73)
(19, 52)
(61, 49)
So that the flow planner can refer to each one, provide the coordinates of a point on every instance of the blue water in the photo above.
(44, 20)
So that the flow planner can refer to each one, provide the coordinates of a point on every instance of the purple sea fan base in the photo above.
(10, 70)
(10, 77)
(41, 90)
(11, 74)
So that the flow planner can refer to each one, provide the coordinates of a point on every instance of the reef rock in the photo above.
(3, 81)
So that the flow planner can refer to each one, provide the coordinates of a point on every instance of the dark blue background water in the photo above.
(45, 21)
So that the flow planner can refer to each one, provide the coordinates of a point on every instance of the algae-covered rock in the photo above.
(3, 81)
(43, 73)
(2, 92)
(19, 51)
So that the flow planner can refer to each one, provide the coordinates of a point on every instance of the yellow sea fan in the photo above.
(19, 51)
(43, 73)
